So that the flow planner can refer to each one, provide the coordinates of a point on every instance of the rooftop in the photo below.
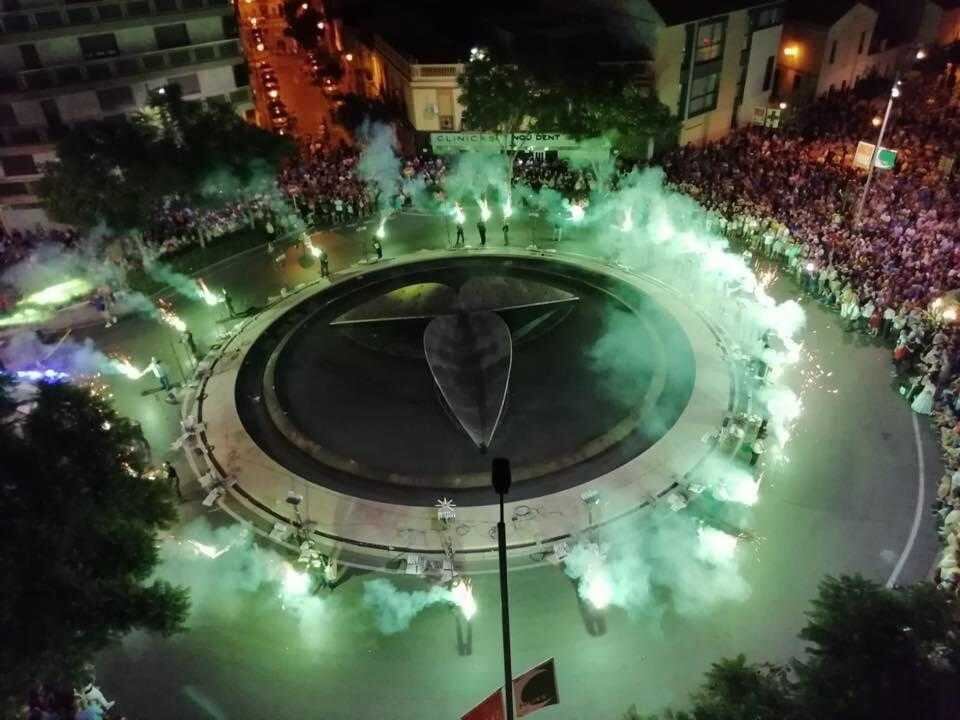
(675, 12)
(819, 12)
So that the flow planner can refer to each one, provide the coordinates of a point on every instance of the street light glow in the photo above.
(791, 51)
(895, 92)
(783, 105)
(921, 54)
(876, 121)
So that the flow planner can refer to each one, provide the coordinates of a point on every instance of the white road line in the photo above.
(918, 512)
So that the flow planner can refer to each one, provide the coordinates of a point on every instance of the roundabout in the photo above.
(612, 390)
(839, 500)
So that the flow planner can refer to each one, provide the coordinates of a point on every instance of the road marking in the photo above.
(918, 512)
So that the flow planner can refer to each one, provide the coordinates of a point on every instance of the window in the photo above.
(703, 94)
(189, 84)
(833, 52)
(8, 118)
(48, 19)
(115, 98)
(863, 39)
(16, 23)
(51, 112)
(19, 165)
(768, 73)
(446, 122)
(98, 46)
(171, 36)
(31, 58)
(710, 41)
(12, 189)
(241, 75)
(80, 15)
(110, 12)
(767, 17)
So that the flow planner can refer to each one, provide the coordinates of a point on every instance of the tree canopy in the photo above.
(353, 110)
(872, 653)
(616, 102)
(118, 172)
(79, 536)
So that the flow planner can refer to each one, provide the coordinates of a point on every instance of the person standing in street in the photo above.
(324, 265)
(506, 233)
(159, 370)
(173, 479)
(378, 248)
(460, 238)
(191, 345)
(228, 301)
(482, 231)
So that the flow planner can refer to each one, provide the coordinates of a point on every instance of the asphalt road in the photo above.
(843, 501)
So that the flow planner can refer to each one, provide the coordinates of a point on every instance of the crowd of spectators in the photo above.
(15, 245)
(792, 195)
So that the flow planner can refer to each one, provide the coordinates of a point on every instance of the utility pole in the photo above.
(500, 476)
(894, 93)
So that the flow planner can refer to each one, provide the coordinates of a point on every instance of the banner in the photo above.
(446, 142)
(536, 688)
(886, 158)
(490, 709)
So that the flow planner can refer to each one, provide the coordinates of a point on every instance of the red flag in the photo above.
(536, 688)
(489, 709)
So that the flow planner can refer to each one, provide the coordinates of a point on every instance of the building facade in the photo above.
(62, 64)
(714, 71)
(825, 49)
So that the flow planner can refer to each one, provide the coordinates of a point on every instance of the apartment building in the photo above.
(66, 63)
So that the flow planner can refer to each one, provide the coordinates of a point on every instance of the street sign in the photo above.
(490, 709)
(886, 158)
(767, 116)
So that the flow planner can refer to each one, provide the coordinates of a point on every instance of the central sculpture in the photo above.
(467, 341)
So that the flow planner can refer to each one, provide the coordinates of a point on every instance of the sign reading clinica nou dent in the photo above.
(525, 141)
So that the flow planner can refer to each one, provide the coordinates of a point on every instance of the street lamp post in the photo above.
(500, 476)
(894, 93)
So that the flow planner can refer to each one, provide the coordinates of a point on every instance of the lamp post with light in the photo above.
(500, 477)
(921, 54)
(894, 94)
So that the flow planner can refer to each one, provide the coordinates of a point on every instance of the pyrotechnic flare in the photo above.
(171, 318)
(381, 232)
(126, 368)
(461, 593)
(311, 248)
(484, 209)
(576, 212)
(209, 297)
(627, 224)
(508, 208)
(458, 217)
(716, 546)
(295, 583)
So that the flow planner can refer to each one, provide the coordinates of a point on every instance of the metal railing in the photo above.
(119, 67)
(59, 15)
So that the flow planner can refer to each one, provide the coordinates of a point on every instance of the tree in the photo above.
(499, 98)
(583, 101)
(302, 23)
(353, 110)
(119, 172)
(79, 536)
(876, 653)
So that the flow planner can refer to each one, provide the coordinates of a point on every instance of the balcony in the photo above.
(119, 67)
(431, 72)
(59, 19)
